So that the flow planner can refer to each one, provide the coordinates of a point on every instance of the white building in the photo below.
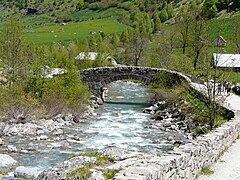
(51, 72)
(94, 55)
(226, 61)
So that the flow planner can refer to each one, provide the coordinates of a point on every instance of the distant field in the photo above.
(90, 14)
(72, 31)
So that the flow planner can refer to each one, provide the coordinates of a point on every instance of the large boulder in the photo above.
(26, 172)
(7, 163)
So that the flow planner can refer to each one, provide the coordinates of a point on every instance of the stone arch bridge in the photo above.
(97, 78)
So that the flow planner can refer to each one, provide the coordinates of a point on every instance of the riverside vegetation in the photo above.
(143, 33)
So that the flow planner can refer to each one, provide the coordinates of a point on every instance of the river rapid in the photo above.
(120, 122)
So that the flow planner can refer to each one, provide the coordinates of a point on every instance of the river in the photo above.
(120, 122)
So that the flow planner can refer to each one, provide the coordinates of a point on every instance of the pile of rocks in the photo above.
(173, 120)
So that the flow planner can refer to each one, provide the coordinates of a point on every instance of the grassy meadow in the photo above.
(72, 30)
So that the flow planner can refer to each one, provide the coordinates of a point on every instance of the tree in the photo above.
(13, 50)
(80, 4)
(115, 39)
(125, 36)
(199, 31)
(163, 15)
(137, 46)
(157, 22)
(209, 8)
(185, 30)
(170, 11)
(235, 31)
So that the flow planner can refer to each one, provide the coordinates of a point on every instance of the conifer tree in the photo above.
(157, 22)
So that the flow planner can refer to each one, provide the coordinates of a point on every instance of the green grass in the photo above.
(85, 173)
(81, 173)
(37, 20)
(72, 31)
(206, 171)
(87, 14)
(110, 173)
(100, 159)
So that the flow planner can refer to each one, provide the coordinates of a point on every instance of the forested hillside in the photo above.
(63, 10)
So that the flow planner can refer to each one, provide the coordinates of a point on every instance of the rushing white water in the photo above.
(119, 123)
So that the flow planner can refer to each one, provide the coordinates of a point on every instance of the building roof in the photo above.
(226, 60)
(221, 38)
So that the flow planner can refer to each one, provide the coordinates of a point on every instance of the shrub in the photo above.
(163, 15)
(65, 94)
(18, 105)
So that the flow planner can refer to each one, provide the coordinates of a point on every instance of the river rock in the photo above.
(61, 170)
(58, 132)
(69, 117)
(161, 105)
(1, 142)
(99, 101)
(40, 132)
(20, 129)
(118, 153)
(12, 148)
(6, 163)
(97, 175)
(150, 109)
(26, 172)
(42, 137)
(2, 126)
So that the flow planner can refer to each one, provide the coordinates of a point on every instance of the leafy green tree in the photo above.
(157, 22)
(235, 38)
(115, 39)
(170, 11)
(163, 15)
(199, 31)
(13, 50)
(185, 30)
(136, 46)
(209, 8)
(80, 4)
(125, 36)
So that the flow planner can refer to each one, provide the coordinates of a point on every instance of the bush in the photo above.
(17, 105)
(163, 15)
(65, 94)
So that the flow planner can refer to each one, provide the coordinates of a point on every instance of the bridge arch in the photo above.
(138, 77)
(97, 78)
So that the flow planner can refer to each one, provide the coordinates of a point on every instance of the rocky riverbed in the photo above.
(41, 144)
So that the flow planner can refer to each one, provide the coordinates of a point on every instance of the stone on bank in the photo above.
(27, 172)
(7, 163)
